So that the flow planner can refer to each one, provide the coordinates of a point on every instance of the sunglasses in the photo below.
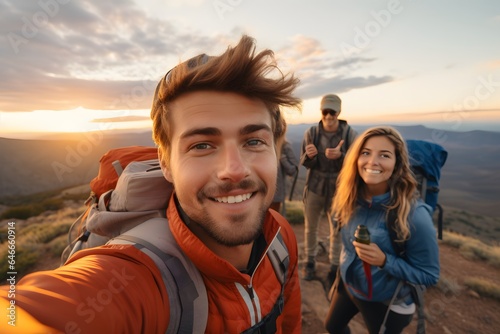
(329, 111)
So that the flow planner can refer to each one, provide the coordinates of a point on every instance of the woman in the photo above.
(376, 179)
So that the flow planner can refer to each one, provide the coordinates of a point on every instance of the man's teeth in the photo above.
(233, 199)
(373, 171)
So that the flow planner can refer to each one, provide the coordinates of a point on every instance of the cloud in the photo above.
(62, 54)
(83, 53)
(322, 72)
(320, 86)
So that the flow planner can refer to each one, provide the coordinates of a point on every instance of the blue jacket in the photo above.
(420, 267)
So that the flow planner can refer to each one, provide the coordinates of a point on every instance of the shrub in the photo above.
(26, 257)
(447, 285)
(25, 211)
(53, 204)
(483, 287)
(22, 211)
(473, 248)
(45, 233)
(57, 245)
(294, 213)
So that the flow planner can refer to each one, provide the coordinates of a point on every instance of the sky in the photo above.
(70, 66)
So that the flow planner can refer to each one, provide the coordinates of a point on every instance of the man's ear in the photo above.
(165, 170)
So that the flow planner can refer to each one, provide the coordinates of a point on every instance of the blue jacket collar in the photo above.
(379, 201)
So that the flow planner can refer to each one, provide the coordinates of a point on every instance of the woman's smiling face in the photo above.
(376, 163)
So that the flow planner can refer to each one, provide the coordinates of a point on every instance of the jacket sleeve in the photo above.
(304, 159)
(288, 160)
(111, 289)
(422, 263)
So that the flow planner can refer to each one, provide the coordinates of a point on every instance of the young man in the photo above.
(323, 150)
(217, 124)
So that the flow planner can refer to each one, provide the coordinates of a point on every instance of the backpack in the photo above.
(127, 205)
(426, 161)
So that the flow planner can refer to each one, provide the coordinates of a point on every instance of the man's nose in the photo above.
(233, 166)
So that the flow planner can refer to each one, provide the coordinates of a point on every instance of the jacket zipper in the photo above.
(252, 300)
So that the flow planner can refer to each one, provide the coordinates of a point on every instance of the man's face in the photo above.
(222, 164)
(329, 118)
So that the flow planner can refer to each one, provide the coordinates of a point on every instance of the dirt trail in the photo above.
(451, 310)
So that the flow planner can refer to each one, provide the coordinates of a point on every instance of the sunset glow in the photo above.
(99, 72)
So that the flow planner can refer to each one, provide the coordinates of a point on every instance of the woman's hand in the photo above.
(370, 253)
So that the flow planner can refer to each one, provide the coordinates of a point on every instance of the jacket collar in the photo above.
(380, 201)
(205, 260)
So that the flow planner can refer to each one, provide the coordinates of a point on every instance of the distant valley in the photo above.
(470, 179)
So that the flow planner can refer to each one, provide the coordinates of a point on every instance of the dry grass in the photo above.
(36, 239)
(483, 287)
(473, 249)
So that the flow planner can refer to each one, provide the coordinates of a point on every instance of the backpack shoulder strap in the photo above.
(417, 291)
(346, 128)
(280, 259)
(278, 252)
(186, 289)
(398, 245)
(313, 131)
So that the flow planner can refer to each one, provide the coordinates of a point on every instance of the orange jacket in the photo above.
(118, 289)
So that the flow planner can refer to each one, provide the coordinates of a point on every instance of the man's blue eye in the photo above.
(254, 142)
(202, 146)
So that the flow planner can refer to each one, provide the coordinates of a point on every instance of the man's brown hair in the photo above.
(239, 70)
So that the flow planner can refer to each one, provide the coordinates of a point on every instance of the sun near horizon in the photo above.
(36, 123)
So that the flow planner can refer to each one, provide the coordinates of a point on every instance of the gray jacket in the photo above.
(288, 165)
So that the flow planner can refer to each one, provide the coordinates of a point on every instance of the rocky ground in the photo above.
(450, 308)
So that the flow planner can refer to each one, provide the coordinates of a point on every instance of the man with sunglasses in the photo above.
(322, 153)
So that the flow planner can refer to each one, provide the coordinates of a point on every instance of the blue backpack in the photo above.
(426, 160)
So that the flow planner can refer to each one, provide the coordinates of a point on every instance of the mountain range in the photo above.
(469, 179)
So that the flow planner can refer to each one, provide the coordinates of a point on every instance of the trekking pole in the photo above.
(293, 184)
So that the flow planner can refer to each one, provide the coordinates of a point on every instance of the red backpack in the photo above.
(114, 161)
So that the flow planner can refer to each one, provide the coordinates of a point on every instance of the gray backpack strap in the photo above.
(186, 289)
(280, 259)
(417, 292)
(345, 136)
(314, 134)
(418, 296)
(382, 327)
